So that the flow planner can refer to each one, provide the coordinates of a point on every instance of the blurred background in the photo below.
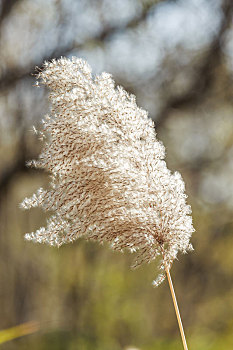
(177, 58)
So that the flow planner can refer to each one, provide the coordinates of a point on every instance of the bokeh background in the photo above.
(177, 58)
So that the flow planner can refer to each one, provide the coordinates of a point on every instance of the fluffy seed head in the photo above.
(109, 180)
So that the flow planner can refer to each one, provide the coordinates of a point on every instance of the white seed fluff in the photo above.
(109, 178)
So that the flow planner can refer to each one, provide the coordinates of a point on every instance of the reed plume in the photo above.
(109, 180)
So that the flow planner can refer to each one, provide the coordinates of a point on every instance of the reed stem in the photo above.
(176, 310)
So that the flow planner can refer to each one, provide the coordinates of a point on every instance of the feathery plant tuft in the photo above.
(109, 180)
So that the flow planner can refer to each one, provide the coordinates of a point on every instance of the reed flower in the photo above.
(109, 180)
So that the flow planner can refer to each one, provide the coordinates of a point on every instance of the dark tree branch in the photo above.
(7, 6)
(206, 73)
(11, 77)
(8, 173)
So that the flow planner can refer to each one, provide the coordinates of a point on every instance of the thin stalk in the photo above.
(176, 310)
